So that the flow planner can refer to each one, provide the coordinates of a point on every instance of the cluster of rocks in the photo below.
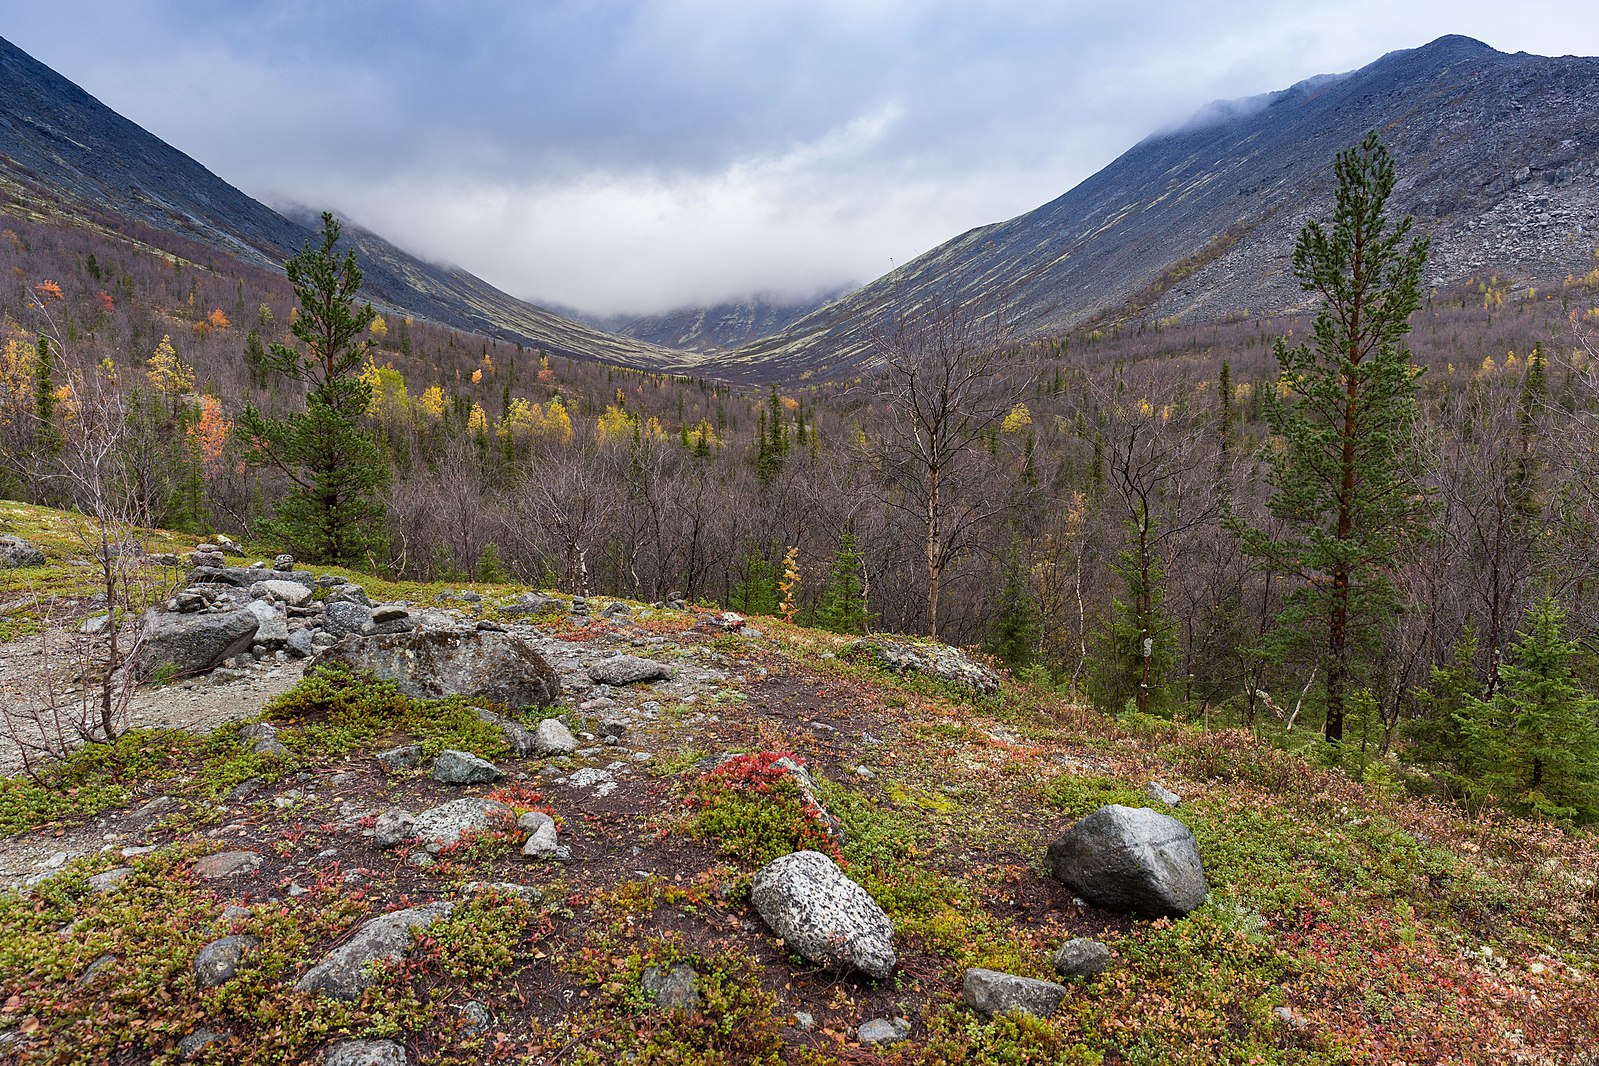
(247, 613)
(1130, 860)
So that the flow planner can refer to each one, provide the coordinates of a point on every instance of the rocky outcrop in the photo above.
(478, 664)
(824, 916)
(928, 658)
(16, 552)
(1133, 860)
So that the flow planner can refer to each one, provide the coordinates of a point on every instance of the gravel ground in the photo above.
(200, 704)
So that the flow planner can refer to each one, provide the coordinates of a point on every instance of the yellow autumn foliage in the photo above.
(167, 373)
(1018, 419)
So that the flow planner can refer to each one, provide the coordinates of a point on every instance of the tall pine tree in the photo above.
(334, 466)
(1346, 494)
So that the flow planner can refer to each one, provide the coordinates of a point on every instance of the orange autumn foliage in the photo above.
(209, 433)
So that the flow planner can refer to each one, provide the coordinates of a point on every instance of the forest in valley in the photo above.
(1102, 511)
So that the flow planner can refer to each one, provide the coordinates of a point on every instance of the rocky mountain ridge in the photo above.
(716, 328)
(1496, 157)
(62, 151)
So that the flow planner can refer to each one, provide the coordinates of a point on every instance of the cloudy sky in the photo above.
(638, 156)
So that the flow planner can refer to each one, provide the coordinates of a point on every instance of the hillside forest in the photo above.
(1110, 511)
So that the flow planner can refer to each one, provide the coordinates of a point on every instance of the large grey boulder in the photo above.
(14, 552)
(628, 670)
(366, 1053)
(194, 643)
(478, 664)
(1132, 860)
(345, 972)
(824, 916)
(990, 992)
(439, 827)
(929, 658)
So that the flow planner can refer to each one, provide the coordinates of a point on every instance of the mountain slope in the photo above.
(1496, 159)
(715, 328)
(62, 148)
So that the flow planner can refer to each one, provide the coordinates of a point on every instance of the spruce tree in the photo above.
(48, 436)
(1018, 626)
(1539, 737)
(843, 604)
(1133, 653)
(335, 467)
(1346, 492)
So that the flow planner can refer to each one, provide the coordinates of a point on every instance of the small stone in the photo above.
(196, 1042)
(393, 828)
(365, 1053)
(990, 993)
(475, 1018)
(552, 737)
(289, 592)
(805, 1019)
(218, 962)
(110, 879)
(227, 864)
(673, 989)
(301, 643)
(1081, 957)
(346, 972)
(1160, 793)
(96, 968)
(390, 612)
(441, 826)
(406, 757)
(883, 1031)
(1289, 1017)
(628, 670)
(270, 746)
(541, 842)
(463, 768)
(613, 729)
